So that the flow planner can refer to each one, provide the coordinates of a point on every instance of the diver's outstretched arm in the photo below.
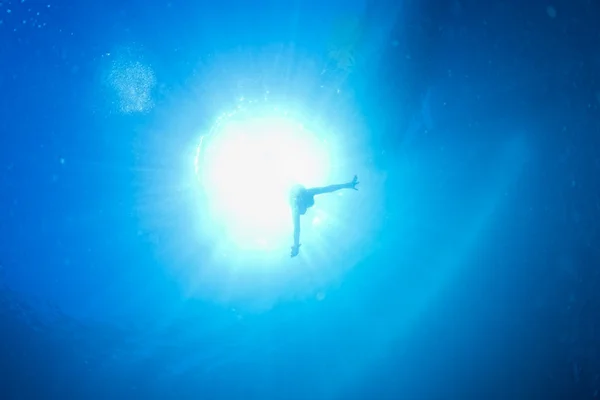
(296, 246)
(332, 188)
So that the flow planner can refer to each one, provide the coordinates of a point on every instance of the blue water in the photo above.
(473, 269)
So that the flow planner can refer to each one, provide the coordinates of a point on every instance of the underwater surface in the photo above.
(149, 156)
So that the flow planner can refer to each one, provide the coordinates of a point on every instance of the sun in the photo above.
(246, 166)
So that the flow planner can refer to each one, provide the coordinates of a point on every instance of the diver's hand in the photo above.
(295, 251)
(354, 182)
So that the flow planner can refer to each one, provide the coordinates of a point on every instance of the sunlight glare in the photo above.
(247, 168)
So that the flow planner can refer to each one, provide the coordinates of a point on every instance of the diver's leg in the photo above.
(296, 220)
(332, 188)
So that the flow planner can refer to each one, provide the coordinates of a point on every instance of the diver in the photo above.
(301, 199)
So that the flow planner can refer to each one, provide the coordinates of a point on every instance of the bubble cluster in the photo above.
(17, 15)
(133, 83)
(343, 43)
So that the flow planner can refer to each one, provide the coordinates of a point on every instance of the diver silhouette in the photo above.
(301, 199)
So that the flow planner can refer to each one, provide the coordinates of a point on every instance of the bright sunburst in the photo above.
(219, 209)
(246, 166)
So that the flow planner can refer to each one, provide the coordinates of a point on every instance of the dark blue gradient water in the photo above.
(475, 270)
